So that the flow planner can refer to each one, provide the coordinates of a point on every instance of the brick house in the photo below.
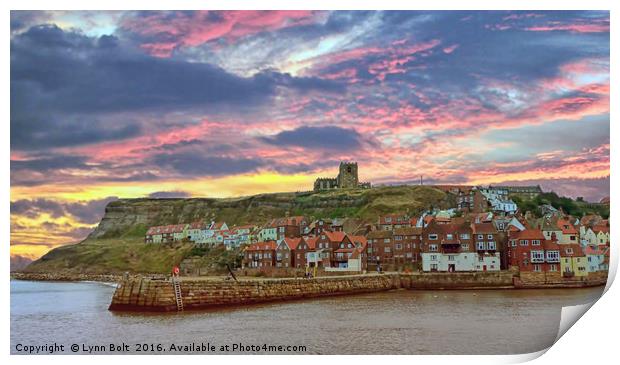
(471, 200)
(407, 242)
(536, 258)
(285, 252)
(393, 221)
(318, 226)
(380, 247)
(326, 244)
(287, 227)
(260, 255)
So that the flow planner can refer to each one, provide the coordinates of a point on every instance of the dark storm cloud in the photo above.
(328, 137)
(89, 212)
(54, 162)
(35, 207)
(192, 164)
(483, 52)
(67, 87)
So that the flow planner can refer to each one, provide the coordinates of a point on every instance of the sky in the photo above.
(108, 105)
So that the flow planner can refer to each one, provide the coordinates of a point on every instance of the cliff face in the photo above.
(117, 244)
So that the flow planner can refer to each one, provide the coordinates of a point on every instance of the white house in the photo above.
(268, 234)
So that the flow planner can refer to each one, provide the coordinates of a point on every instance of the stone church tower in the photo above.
(347, 176)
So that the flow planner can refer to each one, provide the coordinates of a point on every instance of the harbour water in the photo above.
(395, 322)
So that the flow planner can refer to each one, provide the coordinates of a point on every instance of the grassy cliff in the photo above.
(117, 244)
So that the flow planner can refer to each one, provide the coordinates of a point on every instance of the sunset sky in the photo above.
(134, 104)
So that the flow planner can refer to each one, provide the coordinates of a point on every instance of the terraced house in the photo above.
(260, 255)
(530, 251)
(448, 247)
(573, 261)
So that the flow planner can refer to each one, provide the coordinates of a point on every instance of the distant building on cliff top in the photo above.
(347, 178)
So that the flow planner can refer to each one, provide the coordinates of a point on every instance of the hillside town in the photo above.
(485, 232)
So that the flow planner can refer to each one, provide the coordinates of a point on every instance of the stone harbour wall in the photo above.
(458, 280)
(158, 295)
(153, 294)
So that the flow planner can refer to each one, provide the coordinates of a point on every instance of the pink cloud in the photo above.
(193, 29)
(573, 28)
(450, 49)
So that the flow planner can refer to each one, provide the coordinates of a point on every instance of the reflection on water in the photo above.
(396, 322)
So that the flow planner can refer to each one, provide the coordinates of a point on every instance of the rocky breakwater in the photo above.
(142, 294)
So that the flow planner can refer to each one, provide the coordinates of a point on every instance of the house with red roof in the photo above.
(280, 228)
(261, 255)
(569, 234)
(526, 251)
(449, 248)
(166, 234)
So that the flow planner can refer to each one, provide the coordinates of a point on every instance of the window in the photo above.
(387, 249)
(464, 236)
(298, 256)
(388, 220)
(538, 256)
(535, 242)
(432, 248)
(491, 245)
(553, 268)
(480, 246)
(450, 257)
(369, 249)
(433, 257)
(465, 246)
(399, 246)
(480, 236)
(480, 258)
(523, 242)
(537, 268)
(489, 236)
(553, 256)
(513, 243)
(282, 229)
(569, 250)
(433, 266)
(432, 236)
(449, 236)
(386, 240)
